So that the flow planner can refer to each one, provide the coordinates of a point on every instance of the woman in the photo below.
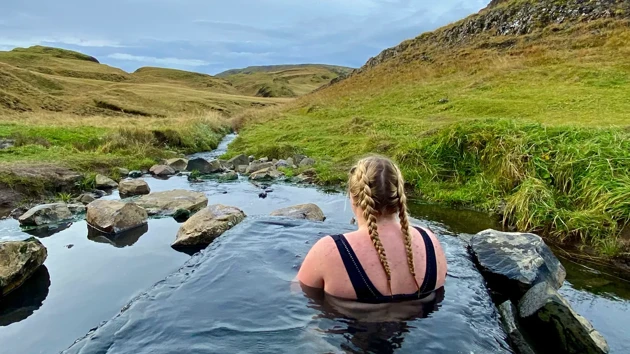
(385, 260)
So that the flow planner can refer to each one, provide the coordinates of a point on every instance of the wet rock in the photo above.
(181, 215)
(265, 174)
(104, 182)
(135, 174)
(77, 209)
(228, 176)
(307, 162)
(262, 195)
(18, 261)
(203, 166)
(257, 166)
(549, 318)
(208, 224)
(242, 169)
(162, 170)
(45, 214)
(178, 164)
(114, 216)
(123, 171)
(99, 193)
(239, 160)
(167, 203)
(129, 188)
(302, 211)
(297, 158)
(512, 263)
(283, 164)
(509, 319)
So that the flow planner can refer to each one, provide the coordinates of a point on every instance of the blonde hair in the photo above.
(378, 188)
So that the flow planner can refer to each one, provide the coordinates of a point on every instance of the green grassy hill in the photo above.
(521, 109)
(283, 80)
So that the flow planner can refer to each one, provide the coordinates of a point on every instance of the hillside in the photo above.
(56, 80)
(521, 109)
(283, 80)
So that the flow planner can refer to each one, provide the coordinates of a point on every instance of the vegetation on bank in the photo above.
(531, 126)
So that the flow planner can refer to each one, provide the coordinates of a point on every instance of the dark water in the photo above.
(236, 296)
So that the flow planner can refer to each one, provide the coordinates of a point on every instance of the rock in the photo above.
(167, 203)
(265, 174)
(178, 164)
(307, 162)
(207, 225)
(114, 216)
(239, 160)
(290, 161)
(302, 178)
(549, 318)
(297, 158)
(123, 171)
(251, 158)
(443, 101)
(203, 166)
(6, 143)
(264, 159)
(257, 166)
(302, 211)
(262, 195)
(18, 261)
(129, 188)
(509, 319)
(69, 246)
(98, 193)
(104, 182)
(76, 209)
(229, 176)
(135, 174)
(512, 263)
(283, 164)
(162, 170)
(310, 172)
(225, 165)
(45, 214)
(181, 215)
(242, 169)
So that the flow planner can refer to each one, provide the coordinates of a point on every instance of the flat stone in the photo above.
(265, 174)
(257, 166)
(45, 214)
(513, 263)
(178, 164)
(167, 203)
(208, 224)
(18, 261)
(550, 319)
(302, 211)
(203, 166)
(129, 188)
(104, 182)
(114, 216)
(162, 170)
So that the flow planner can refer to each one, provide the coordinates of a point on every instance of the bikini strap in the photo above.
(430, 275)
(360, 282)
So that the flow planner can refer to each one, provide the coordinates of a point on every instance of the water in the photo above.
(237, 295)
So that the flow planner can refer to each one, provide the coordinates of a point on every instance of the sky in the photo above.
(215, 35)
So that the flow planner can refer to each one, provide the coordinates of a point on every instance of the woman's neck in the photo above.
(383, 221)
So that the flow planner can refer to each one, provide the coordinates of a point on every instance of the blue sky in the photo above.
(211, 35)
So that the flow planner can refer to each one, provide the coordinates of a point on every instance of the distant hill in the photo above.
(53, 79)
(283, 80)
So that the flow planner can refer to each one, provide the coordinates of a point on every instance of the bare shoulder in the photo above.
(439, 255)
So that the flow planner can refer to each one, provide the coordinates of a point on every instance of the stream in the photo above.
(238, 296)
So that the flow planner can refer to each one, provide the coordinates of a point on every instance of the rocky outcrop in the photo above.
(45, 214)
(302, 211)
(266, 174)
(104, 182)
(18, 261)
(162, 170)
(513, 263)
(257, 166)
(208, 224)
(167, 203)
(133, 187)
(203, 166)
(178, 164)
(546, 313)
(113, 216)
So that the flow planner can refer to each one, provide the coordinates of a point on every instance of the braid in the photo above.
(404, 223)
(369, 214)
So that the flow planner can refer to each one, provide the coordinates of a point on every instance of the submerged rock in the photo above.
(208, 224)
(18, 261)
(512, 263)
(265, 174)
(45, 214)
(257, 166)
(302, 211)
(114, 216)
(104, 182)
(133, 187)
(203, 166)
(549, 318)
(178, 164)
(162, 170)
(167, 203)
(240, 160)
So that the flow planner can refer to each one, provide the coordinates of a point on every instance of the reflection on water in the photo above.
(25, 300)
(47, 230)
(120, 240)
(458, 220)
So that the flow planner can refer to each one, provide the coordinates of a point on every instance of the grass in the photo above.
(534, 127)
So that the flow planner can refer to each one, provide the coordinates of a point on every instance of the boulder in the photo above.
(229, 176)
(104, 182)
(509, 319)
(203, 166)
(86, 198)
(512, 263)
(178, 164)
(123, 171)
(302, 211)
(307, 162)
(129, 188)
(114, 216)
(45, 214)
(297, 158)
(257, 166)
(283, 164)
(208, 224)
(225, 165)
(549, 318)
(242, 169)
(167, 203)
(239, 160)
(162, 170)
(135, 174)
(77, 208)
(265, 174)
(18, 261)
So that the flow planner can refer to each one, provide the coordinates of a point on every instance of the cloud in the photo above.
(161, 61)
